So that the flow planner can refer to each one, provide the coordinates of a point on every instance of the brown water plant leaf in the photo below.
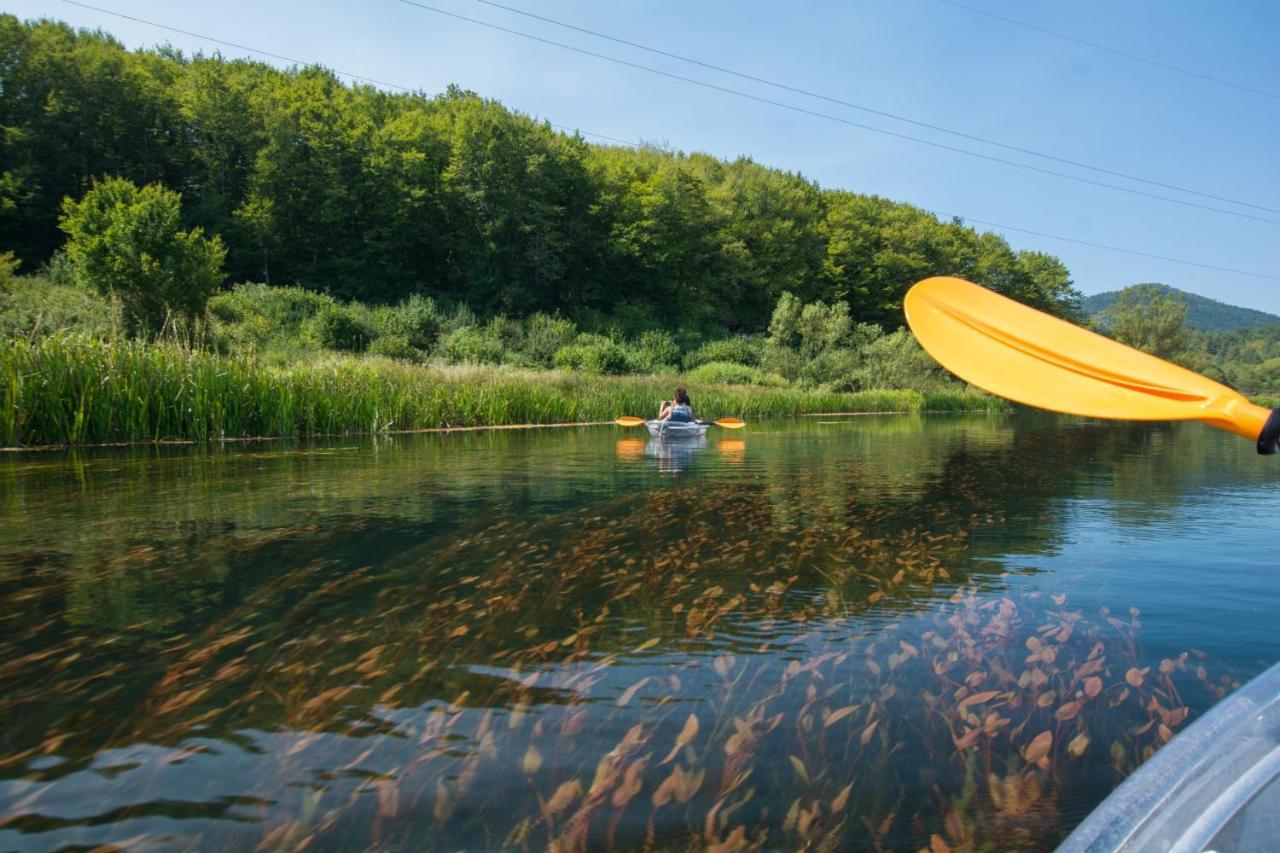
(978, 698)
(968, 739)
(630, 692)
(632, 781)
(1135, 676)
(836, 716)
(1038, 749)
(869, 731)
(1078, 744)
(1092, 686)
(388, 798)
(798, 766)
(1069, 710)
(994, 723)
(1044, 700)
(841, 799)
(686, 736)
(679, 786)
(647, 644)
(532, 760)
(562, 798)
(443, 807)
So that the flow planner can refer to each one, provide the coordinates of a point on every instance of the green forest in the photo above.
(233, 209)
(373, 196)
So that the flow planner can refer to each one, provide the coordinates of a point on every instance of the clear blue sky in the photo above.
(923, 59)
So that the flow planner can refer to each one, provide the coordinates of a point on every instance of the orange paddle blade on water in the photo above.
(1033, 358)
(727, 423)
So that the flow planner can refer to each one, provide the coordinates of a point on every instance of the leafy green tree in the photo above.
(75, 106)
(371, 195)
(128, 242)
(1146, 317)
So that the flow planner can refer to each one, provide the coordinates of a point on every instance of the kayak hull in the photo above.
(1216, 786)
(675, 429)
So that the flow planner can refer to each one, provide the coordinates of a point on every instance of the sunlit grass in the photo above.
(71, 390)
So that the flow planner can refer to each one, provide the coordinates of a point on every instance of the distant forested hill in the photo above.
(1205, 314)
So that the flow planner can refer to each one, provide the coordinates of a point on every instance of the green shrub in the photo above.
(737, 350)
(129, 242)
(595, 354)
(283, 308)
(417, 320)
(338, 327)
(896, 361)
(542, 336)
(729, 373)
(461, 317)
(33, 307)
(472, 345)
(8, 271)
(394, 346)
(655, 352)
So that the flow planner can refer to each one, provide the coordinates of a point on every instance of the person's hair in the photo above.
(682, 399)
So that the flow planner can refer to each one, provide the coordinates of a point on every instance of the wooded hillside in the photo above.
(372, 195)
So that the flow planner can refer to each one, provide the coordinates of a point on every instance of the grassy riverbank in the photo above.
(70, 390)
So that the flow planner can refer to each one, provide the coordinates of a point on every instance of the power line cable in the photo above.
(1093, 245)
(638, 145)
(882, 113)
(1102, 47)
(362, 78)
(828, 117)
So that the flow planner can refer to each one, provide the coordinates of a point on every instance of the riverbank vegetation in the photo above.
(413, 244)
(73, 390)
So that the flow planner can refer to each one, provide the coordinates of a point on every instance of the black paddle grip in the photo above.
(1269, 440)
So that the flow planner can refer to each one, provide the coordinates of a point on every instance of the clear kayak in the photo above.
(1216, 786)
(677, 429)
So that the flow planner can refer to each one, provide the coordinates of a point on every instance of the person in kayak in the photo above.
(679, 410)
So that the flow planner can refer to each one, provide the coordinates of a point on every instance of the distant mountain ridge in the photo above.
(1203, 313)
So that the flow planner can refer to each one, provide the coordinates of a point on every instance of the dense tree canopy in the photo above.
(378, 196)
(1150, 319)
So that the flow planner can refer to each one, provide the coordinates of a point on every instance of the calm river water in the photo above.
(883, 632)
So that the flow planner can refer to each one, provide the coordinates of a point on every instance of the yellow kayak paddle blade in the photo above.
(1030, 357)
(730, 423)
(629, 422)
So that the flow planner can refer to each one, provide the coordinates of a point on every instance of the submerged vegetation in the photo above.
(818, 649)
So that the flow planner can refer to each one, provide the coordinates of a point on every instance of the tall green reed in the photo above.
(75, 390)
